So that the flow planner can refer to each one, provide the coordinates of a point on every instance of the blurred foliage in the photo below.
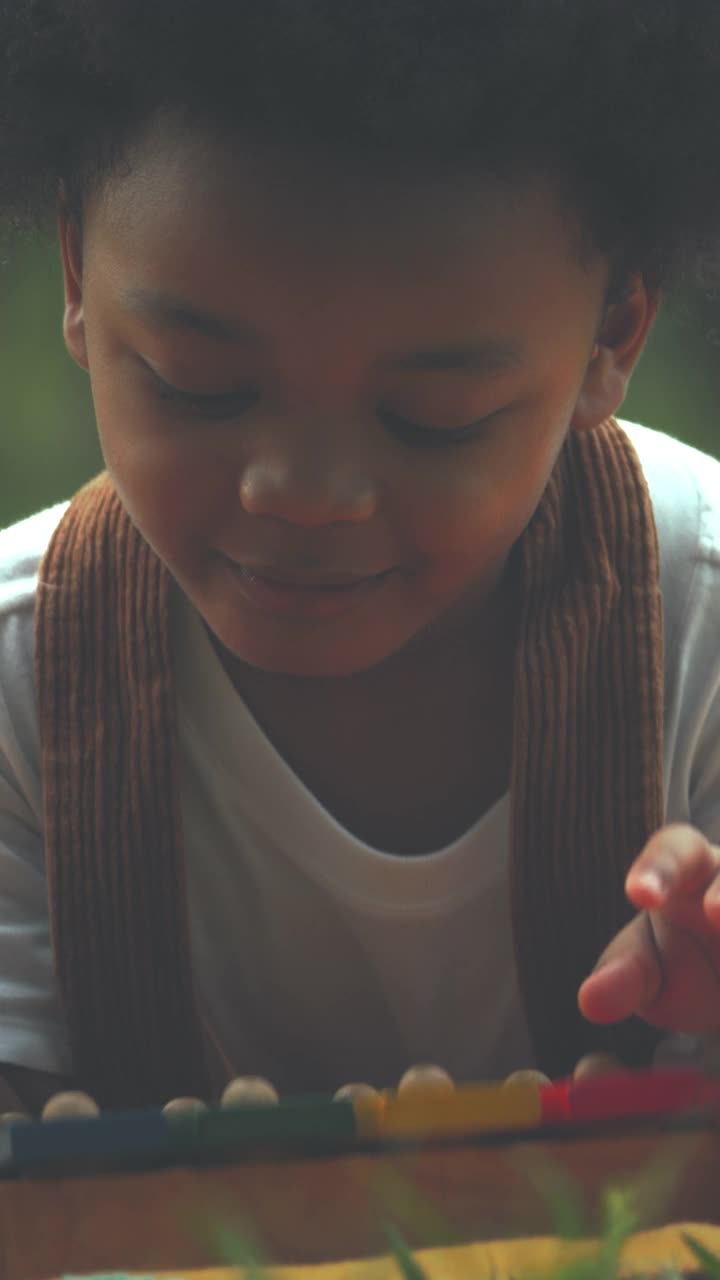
(47, 437)
(48, 445)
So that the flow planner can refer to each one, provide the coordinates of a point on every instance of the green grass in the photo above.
(621, 1218)
(235, 1245)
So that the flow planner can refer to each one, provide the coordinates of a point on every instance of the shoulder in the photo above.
(32, 1031)
(22, 547)
(684, 486)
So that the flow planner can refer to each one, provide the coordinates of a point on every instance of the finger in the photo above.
(711, 902)
(426, 1079)
(627, 978)
(248, 1091)
(677, 861)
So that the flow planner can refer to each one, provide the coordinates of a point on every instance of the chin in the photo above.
(309, 659)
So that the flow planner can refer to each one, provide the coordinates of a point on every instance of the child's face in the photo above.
(279, 357)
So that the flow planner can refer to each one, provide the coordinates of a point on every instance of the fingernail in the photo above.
(652, 881)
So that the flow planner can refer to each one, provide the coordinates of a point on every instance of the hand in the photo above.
(665, 965)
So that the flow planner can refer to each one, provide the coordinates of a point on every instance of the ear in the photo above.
(623, 333)
(71, 252)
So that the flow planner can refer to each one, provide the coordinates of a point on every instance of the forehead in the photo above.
(206, 215)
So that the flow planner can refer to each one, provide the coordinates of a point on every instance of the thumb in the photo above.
(628, 976)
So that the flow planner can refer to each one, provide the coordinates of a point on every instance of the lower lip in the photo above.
(285, 599)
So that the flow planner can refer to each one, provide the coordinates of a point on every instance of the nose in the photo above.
(308, 487)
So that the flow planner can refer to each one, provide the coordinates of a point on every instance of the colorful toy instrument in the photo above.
(318, 1126)
(317, 1179)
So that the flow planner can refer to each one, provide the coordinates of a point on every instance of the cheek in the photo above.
(476, 503)
(178, 493)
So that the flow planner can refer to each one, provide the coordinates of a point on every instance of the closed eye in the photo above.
(210, 406)
(214, 407)
(224, 406)
(416, 434)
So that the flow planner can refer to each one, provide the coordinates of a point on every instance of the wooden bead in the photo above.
(356, 1090)
(14, 1117)
(426, 1079)
(249, 1091)
(596, 1064)
(63, 1106)
(184, 1106)
(528, 1076)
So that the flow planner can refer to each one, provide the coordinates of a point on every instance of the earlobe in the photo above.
(603, 391)
(70, 235)
(625, 329)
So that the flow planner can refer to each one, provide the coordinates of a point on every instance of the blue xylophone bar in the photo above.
(151, 1139)
(132, 1137)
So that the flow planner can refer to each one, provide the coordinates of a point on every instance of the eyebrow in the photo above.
(485, 356)
(180, 315)
(488, 355)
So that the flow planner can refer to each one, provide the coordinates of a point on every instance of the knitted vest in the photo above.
(586, 783)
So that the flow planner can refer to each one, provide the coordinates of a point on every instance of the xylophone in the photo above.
(128, 1190)
(188, 1133)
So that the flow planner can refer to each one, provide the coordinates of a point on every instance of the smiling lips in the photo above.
(305, 595)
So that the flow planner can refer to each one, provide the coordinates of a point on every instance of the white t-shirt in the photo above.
(317, 959)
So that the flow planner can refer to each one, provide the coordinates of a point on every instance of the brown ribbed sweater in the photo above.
(586, 787)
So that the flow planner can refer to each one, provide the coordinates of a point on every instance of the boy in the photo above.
(337, 716)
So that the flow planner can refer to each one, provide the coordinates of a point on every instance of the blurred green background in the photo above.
(47, 440)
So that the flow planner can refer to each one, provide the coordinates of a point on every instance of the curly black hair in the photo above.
(618, 99)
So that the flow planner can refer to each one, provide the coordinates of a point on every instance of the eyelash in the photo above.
(221, 407)
(432, 437)
(212, 407)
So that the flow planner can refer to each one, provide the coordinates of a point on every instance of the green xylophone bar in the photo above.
(152, 1139)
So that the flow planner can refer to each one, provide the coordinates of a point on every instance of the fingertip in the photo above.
(646, 889)
(711, 906)
(587, 1001)
(606, 996)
